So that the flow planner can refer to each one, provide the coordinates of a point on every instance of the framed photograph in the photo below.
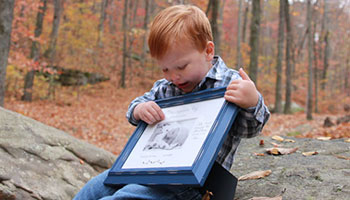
(181, 149)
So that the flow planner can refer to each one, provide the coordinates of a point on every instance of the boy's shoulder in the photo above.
(223, 73)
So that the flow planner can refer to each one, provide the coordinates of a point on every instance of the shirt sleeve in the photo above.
(250, 122)
(148, 96)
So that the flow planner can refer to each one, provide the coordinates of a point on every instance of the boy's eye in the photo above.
(182, 67)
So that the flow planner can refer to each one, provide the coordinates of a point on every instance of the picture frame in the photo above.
(181, 149)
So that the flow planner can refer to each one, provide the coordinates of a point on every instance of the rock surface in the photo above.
(41, 162)
(325, 176)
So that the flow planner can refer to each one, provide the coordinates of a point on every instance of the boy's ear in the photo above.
(210, 51)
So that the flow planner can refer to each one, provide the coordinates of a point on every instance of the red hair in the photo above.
(180, 23)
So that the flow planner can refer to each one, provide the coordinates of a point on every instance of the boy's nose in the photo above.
(175, 77)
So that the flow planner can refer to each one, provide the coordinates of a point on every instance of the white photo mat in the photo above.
(177, 140)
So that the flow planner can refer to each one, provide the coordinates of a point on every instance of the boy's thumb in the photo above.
(244, 75)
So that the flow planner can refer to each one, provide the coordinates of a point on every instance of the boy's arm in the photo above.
(253, 114)
(250, 122)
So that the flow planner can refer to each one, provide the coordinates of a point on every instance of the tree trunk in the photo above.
(239, 30)
(326, 48)
(125, 50)
(254, 41)
(112, 17)
(221, 18)
(145, 29)
(209, 7)
(310, 59)
(132, 19)
(34, 54)
(214, 24)
(245, 20)
(315, 69)
(51, 51)
(280, 41)
(104, 5)
(346, 78)
(6, 16)
(289, 60)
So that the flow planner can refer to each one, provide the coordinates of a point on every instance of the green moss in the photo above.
(294, 133)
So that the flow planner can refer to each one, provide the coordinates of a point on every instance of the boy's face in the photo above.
(185, 66)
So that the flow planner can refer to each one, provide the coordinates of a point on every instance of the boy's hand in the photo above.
(243, 92)
(148, 112)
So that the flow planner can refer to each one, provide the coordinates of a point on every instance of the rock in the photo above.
(328, 122)
(73, 77)
(325, 175)
(41, 162)
(346, 108)
(294, 107)
(344, 119)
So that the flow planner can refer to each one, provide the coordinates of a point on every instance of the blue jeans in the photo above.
(95, 189)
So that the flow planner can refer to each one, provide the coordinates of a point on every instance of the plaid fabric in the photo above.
(249, 122)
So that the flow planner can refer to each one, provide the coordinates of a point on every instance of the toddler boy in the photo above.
(181, 41)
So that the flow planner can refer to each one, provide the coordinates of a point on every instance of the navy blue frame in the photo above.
(198, 172)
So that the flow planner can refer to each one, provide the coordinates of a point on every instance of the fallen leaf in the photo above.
(289, 140)
(323, 138)
(342, 157)
(261, 143)
(255, 175)
(273, 151)
(259, 154)
(275, 144)
(281, 151)
(266, 198)
(278, 138)
(348, 140)
(207, 195)
(310, 153)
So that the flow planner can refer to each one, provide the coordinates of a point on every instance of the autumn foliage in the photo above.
(96, 113)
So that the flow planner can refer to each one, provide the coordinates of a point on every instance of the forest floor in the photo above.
(96, 114)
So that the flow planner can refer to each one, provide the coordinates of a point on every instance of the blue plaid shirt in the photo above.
(248, 123)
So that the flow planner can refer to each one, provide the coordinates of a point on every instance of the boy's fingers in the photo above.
(148, 118)
(243, 74)
(232, 86)
(158, 112)
(230, 98)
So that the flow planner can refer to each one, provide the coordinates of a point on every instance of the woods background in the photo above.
(295, 51)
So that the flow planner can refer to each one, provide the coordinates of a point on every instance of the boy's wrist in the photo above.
(131, 118)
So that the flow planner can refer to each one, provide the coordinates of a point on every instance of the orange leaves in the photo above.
(310, 153)
(342, 157)
(98, 117)
(207, 195)
(281, 139)
(323, 138)
(266, 198)
(281, 151)
(278, 149)
(278, 138)
(295, 125)
(255, 175)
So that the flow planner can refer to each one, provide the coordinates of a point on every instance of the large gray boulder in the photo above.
(41, 162)
(324, 176)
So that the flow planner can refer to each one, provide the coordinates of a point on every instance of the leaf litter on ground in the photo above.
(255, 175)
(281, 151)
(266, 198)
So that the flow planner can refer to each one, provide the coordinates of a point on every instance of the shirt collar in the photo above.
(214, 72)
